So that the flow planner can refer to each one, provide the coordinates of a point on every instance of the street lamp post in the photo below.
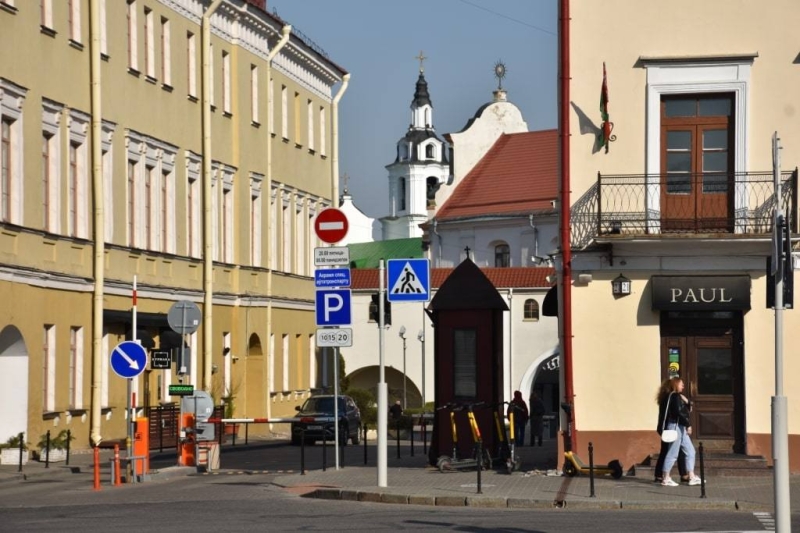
(402, 334)
(421, 339)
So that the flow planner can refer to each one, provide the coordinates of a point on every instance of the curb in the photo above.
(40, 473)
(516, 503)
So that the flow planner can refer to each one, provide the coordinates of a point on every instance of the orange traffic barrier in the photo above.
(96, 468)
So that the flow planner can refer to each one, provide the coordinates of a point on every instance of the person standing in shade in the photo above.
(520, 410)
(537, 418)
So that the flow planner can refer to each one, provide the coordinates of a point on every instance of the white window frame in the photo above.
(193, 200)
(256, 183)
(78, 128)
(168, 221)
(310, 113)
(149, 43)
(76, 367)
(103, 29)
(12, 97)
(51, 126)
(322, 131)
(286, 231)
(227, 359)
(300, 240)
(49, 368)
(133, 37)
(107, 155)
(271, 366)
(226, 82)
(135, 148)
(285, 354)
(271, 105)
(211, 92)
(227, 222)
(191, 70)
(254, 94)
(273, 226)
(46, 14)
(284, 112)
(694, 77)
(75, 20)
(166, 52)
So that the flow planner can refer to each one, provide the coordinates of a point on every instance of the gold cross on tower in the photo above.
(421, 58)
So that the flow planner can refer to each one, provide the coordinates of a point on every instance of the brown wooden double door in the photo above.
(710, 361)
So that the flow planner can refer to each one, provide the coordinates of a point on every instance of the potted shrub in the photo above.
(9, 451)
(58, 446)
(229, 408)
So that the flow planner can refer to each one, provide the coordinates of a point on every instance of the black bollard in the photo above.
(47, 451)
(424, 436)
(591, 471)
(246, 429)
(234, 433)
(21, 449)
(341, 452)
(303, 452)
(702, 474)
(220, 431)
(69, 438)
(365, 444)
(479, 455)
(398, 438)
(324, 451)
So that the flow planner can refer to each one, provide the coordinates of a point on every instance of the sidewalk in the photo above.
(410, 480)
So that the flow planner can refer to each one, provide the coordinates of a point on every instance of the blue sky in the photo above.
(377, 42)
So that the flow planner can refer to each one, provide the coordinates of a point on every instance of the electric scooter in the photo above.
(512, 461)
(574, 466)
(447, 463)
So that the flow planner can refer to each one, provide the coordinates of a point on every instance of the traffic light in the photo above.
(787, 270)
(387, 310)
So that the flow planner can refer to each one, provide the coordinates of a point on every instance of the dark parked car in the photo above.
(316, 420)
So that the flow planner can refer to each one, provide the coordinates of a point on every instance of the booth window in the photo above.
(465, 367)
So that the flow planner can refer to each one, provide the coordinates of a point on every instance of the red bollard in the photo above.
(96, 468)
(117, 473)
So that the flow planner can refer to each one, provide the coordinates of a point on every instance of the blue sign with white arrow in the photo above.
(128, 359)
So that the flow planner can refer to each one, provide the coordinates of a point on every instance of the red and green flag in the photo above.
(604, 136)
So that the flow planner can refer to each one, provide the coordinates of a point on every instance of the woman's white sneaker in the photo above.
(695, 481)
(667, 482)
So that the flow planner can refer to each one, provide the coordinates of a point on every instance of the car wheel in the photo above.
(356, 439)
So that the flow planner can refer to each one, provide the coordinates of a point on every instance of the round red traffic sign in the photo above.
(331, 225)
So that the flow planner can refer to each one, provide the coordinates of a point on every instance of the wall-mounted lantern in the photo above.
(621, 286)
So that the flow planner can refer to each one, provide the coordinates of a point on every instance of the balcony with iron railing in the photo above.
(718, 205)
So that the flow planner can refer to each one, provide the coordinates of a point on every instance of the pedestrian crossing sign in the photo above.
(409, 280)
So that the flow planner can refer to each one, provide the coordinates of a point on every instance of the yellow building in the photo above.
(119, 171)
(679, 202)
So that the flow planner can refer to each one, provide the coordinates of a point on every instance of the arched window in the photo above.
(429, 152)
(401, 194)
(502, 256)
(531, 310)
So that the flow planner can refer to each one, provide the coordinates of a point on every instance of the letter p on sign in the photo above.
(333, 307)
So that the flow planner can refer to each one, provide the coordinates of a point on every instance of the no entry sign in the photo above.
(331, 225)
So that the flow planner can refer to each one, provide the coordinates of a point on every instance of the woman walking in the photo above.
(676, 408)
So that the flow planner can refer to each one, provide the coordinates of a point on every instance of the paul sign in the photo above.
(701, 293)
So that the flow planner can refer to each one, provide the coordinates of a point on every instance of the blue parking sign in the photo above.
(333, 307)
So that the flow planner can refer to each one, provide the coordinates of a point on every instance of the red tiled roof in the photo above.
(518, 174)
(516, 277)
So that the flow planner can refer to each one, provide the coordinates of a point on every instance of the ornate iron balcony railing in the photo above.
(710, 203)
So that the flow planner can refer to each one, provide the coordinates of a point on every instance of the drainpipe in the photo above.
(438, 248)
(286, 32)
(335, 140)
(208, 262)
(99, 223)
(565, 279)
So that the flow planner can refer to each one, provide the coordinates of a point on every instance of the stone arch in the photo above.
(13, 383)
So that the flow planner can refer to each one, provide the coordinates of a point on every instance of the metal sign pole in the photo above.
(383, 406)
(336, 404)
(780, 437)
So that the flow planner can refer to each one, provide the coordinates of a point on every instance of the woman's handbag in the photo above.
(668, 435)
